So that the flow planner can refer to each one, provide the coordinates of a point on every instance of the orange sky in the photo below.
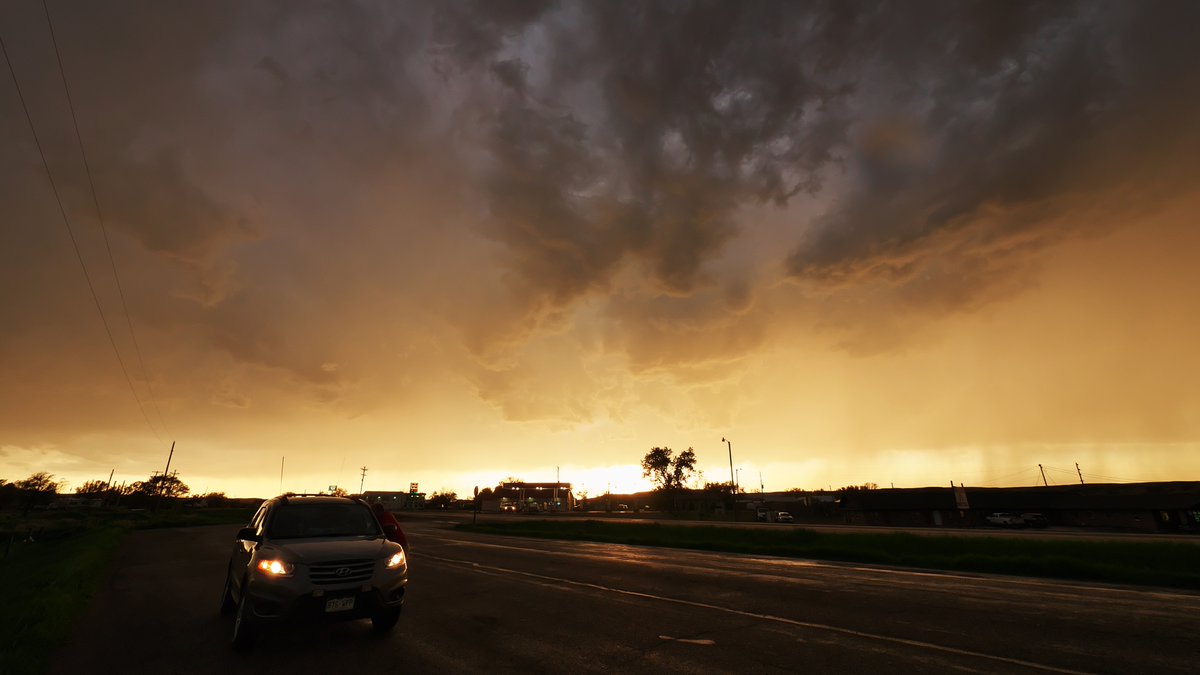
(457, 246)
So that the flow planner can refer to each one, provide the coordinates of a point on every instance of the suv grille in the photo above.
(341, 572)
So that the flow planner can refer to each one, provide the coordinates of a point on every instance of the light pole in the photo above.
(733, 483)
(732, 478)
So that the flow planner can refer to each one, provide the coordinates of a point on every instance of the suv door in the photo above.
(243, 550)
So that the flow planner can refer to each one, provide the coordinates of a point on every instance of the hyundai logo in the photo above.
(342, 571)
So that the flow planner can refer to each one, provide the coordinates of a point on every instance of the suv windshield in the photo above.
(293, 521)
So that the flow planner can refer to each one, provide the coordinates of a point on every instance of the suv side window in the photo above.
(257, 521)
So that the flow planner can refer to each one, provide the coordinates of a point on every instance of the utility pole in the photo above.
(281, 460)
(158, 498)
(169, 456)
(556, 479)
(1043, 475)
(362, 480)
(1079, 472)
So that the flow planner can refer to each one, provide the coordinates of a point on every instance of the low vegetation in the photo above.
(53, 561)
(1148, 563)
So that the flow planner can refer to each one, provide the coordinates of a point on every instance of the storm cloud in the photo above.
(673, 215)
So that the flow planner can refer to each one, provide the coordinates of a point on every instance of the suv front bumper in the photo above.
(272, 601)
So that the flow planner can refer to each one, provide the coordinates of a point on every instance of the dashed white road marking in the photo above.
(690, 641)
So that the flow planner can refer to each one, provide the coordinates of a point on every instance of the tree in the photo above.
(93, 487)
(864, 486)
(339, 492)
(216, 499)
(40, 482)
(723, 487)
(667, 471)
(166, 485)
(443, 500)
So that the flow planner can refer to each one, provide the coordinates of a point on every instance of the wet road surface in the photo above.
(500, 604)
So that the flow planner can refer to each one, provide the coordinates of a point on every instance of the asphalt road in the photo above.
(503, 605)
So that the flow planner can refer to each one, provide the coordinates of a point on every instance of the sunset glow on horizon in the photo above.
(457, 243)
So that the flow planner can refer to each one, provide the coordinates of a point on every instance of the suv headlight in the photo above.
(396, 560)
(275, 568)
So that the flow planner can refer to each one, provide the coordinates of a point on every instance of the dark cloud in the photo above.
(622, 132)
(168, 213)
(278, 175)
(978, 154)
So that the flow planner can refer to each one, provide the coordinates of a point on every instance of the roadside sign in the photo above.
(960, 498)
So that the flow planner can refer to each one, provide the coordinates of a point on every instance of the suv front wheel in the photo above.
(385, 620)
(244, 630)
(227, 603)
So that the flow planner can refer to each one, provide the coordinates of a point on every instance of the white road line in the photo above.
(469, 564)
(1046, 585)
(689, 641)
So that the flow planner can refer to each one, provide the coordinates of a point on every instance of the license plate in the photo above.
(339, 604)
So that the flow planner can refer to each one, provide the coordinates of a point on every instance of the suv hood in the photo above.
(319, 550)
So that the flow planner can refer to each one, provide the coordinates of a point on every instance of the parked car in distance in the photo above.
(310, 557)
(763, 515)
(1006, 520)
(1034, 520)
(783, 517)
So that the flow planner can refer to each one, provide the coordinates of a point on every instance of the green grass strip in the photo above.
(1143, 563)
(47, 584)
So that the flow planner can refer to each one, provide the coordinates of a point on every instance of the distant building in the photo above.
(1146, 507)
(530, 498)
(396, 501)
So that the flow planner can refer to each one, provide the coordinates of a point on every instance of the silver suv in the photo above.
(316, 558)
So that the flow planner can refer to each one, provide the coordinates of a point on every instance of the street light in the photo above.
(732, 478)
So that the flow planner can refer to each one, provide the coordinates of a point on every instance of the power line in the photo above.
(100, 217)
(70, 231)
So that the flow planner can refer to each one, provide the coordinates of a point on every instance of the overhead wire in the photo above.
(1110, 479)
(1008, 478)
(100, 218)
(71, 232)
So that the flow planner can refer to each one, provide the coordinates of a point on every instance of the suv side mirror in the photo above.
(248, 534)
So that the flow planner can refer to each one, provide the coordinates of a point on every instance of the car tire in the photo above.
(227, 604)
(385, 620)
(244, 630)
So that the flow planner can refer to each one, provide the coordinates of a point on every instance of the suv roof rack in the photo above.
(285, 497)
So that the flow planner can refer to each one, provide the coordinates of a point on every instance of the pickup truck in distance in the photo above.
(1006, 520)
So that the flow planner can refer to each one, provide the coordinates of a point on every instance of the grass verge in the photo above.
(47, 586)
(47, 583)
(1149, 563)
